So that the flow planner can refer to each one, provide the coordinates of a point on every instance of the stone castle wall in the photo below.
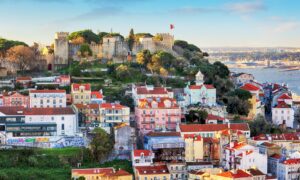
(112, 47)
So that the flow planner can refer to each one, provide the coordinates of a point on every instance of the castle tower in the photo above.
(199, 78)
(167, 40)
(109, 46)
(61, 49)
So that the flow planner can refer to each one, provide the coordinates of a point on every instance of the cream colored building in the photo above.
(81, 93)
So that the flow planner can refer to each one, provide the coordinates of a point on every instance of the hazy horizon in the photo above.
(208, 24)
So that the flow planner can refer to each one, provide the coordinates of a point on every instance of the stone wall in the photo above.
(111, 48)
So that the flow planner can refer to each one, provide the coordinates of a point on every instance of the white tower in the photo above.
(199, 78)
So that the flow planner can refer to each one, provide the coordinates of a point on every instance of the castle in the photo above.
(112, 47)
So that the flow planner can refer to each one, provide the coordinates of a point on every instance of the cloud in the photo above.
(194, 10)
(99, 12)
(286, 26)
(246, 7)
(242, 8)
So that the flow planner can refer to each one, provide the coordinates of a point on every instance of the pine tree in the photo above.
(131, 39)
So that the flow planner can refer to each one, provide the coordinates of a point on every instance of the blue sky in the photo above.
(206, 23)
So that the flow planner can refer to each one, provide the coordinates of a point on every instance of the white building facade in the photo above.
(47, 98)
(283, 113)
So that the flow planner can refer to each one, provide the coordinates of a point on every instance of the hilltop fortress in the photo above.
(112, 48)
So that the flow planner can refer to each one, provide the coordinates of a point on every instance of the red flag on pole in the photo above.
(171, 26)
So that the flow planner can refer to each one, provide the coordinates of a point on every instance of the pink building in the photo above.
(63, 80)
(157, 114)
(15, 99)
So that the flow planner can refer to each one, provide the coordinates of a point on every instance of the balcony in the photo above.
(147, 122)
(148, 115)
(172, 114)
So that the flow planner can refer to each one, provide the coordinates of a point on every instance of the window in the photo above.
(62, 127)
(62, 118)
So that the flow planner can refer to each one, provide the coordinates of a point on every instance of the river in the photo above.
(274, 75)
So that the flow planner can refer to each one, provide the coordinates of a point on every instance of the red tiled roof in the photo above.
(24, 78)
(147, 103)
(16, 110)
(267, 144)
(276, 156)
(197, 172)
(208, 86)
(89, 106)
(291, 136)
(96, 94)
(285, 96)
(48, 91)
(111, 106)
(255, 172)
(214, 117)
(277, 136)
(213, 127)
(195, 87)
(249, 87)
(49, 111)
(238, 174)
(87, 87)
(291, 161)
(102, 171)
(260, 137)
(138, 152)
(156, 169)
(193, 136)
(282, 105)
(156, 90)
(238, 145)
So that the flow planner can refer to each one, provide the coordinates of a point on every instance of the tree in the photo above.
(88, 35)
(101, 35)
(122, 71)
(22, 55)
(221, 69)
(164, 73)
(131, 39)
(7, 44)
(143, 57)
(198, 115)
(237, 106)
(85, 50)
(260, 126)
(78, 40)
(101, 144)
(240, 93)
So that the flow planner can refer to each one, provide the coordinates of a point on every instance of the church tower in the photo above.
(199, 78)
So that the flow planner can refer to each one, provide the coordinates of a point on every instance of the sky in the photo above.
(205, 23)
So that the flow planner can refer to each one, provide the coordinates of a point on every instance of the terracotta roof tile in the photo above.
(249, 87)
(238, 174)
(75, 87)
(96, 94)
(156, 169)
(213, 127)
(112, 106)
(156, 90)
(138, 152)
(282, 105)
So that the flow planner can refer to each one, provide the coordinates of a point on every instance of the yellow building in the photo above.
(101, 174)
(193, 148)
(198, 175)
(233, 174)
(152, 172)
(81, 93)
